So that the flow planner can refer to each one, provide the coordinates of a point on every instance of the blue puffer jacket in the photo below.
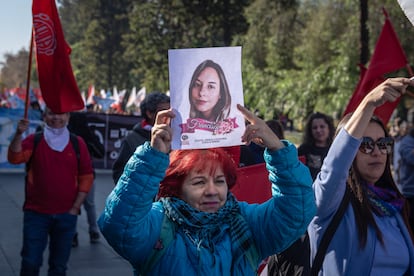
(131, 221)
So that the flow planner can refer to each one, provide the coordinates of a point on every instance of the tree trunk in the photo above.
(364, 50)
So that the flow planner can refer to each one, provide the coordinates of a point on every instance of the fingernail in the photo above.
(412, 78)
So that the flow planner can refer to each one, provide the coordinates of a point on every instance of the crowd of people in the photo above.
(342, 200)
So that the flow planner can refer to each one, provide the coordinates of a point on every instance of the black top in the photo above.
(136, 137)
(314, 157)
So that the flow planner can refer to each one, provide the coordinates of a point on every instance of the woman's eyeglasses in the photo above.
(384, 144)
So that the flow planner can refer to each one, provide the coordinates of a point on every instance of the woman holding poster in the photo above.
(197, 226)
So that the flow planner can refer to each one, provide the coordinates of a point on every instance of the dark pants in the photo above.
(37, 230)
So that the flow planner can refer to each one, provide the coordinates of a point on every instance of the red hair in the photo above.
(182, 162)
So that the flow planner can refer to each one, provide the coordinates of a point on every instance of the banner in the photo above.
(9, 117)
(253, 184)
(110, 128)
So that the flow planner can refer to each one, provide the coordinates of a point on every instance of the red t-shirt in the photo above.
(54, 178)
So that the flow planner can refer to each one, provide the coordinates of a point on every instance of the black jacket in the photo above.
(136, 137)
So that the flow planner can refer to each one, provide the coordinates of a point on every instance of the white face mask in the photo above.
(56, 131)
(56, 138)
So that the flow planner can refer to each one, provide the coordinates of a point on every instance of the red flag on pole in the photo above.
(388, 56)
(57, 82)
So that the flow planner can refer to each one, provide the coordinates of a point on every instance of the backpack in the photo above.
(295, 260)
(38, 136)
(167, 236)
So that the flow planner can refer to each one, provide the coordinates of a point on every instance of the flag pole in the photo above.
(29, 69)
(410, 71)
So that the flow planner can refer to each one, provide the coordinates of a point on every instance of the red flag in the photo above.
(56, 79)
(388, 56)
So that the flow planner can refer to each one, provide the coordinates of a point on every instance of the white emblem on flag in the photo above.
(44, 34)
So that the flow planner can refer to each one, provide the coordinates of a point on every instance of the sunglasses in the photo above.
(384, 144)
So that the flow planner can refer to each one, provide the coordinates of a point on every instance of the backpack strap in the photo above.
(38, 136)
(330, 231)
(75, 145)
(252, 254)
(166, 236)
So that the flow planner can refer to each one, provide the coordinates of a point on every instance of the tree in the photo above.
(156, 26)
(14, 71)
(94, 29)
(299, 56)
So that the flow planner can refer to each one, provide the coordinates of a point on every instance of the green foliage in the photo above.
(311, 65)
(14, 72)
(299, 56)
(156, 26)
(94, 29)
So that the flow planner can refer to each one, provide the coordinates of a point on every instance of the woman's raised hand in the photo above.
(161, 132)
(258, 131)
(388, 91)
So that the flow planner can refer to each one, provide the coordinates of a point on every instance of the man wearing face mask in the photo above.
(57, 182)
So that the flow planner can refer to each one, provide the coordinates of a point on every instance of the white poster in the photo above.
(205, 87)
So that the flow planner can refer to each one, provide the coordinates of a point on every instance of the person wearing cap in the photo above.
(57, 182)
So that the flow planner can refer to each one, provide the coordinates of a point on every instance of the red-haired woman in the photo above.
(197, 227)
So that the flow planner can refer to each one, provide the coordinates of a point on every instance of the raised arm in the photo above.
(161, 132)
(388, 91)
(16, 142)
(259, 132)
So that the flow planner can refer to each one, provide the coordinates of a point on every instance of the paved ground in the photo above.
(87, 259)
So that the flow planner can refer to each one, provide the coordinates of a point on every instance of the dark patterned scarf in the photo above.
(205, 229)
(384, 202)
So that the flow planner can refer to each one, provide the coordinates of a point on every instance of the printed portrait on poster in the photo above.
(205, 87)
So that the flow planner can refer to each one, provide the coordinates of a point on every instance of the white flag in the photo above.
(115, 94)
(408, 8)
(140, 96)
(132, 97)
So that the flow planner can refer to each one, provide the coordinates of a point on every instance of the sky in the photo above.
(15, 26)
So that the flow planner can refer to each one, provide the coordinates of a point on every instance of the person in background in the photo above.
(398, 134)
(141, 132)
(257, 150)
(318, 136)
(56, 186)
(373, 236)
(295, 259)
(211, 232)
(209, 93)
(406, 171)
(78, 125)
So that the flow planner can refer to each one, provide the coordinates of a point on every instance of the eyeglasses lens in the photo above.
(385, 145)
